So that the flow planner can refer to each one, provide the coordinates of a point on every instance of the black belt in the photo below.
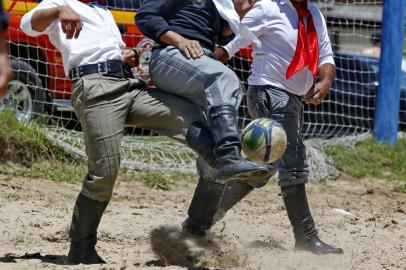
(114, 68)
(208, 53)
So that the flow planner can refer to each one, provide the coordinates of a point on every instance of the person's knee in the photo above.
(230, 75)
(224, 77)
(232, 80)
(100, 195)
(98, 188)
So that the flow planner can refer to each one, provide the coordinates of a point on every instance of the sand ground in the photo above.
(35, 214)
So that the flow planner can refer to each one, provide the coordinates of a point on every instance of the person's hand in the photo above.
(6, 74)
(71, 22)
(191, 48)
(221, 54)
(317, 93)
(243, 6)
(130, 57)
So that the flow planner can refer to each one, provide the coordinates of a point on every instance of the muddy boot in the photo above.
(212, 199)
(200, 139)
(233, 194)
(227, 150)
(204, 206)
(83, 231)
(304, 228)
(220, 146)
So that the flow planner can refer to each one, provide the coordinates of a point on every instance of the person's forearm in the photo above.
(327, 73)
(227, 31)
(171, 38)
(221, 54)
(3, 48)
(6, 73)
(43, 18)
(151, 18)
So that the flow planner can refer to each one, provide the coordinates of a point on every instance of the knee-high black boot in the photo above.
(86, 217)
(204, 206)
(211, 201)
(220, 146)
(233, 194)
(304, 228)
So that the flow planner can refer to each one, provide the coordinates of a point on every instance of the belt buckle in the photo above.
(102, 68)
(74, 73)
(208, 53)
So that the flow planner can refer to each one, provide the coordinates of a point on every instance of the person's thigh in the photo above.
(287, 109)
(103, 120)
(204, 81)
(163, 112)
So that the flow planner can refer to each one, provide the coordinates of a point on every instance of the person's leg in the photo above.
(214, 87)
(163, 112)
(172, 116)
(179, 118)
(212, 200)
(287, 109)
(101, 106)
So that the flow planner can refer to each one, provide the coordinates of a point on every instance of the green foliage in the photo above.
(25, 151)
(156, 179)
(26, 143)
(74, 172)
(372, 159)
(56, 171)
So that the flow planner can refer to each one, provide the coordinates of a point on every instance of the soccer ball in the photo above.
(264, 140)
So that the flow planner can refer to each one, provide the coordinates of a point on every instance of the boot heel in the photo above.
(304, 228)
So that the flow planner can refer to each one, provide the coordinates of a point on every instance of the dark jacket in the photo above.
(194, 19)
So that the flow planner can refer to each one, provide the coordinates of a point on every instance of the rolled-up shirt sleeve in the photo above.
(150, 18)
(325, 50)
(254, 21)
(26, 25)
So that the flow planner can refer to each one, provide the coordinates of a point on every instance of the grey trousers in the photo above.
(287, 109)
(105, 105)
(204, 81)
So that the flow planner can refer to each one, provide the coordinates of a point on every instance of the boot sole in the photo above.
(337, 251)
(248, 177)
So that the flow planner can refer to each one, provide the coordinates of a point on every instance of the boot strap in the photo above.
(222, 110)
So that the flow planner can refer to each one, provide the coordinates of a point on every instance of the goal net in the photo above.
(354, 30)
(40, 88)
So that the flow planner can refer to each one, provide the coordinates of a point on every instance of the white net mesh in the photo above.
(40, 87)
(354, 30)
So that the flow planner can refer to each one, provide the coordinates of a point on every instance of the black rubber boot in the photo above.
(227, 150)
(204, 206)
(213, 199)
(233, 193)
(220, 146)
(210, 204)
(83, 231)
(200, 139)
(304, 228)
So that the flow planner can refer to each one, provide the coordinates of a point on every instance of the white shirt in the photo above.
(275, 23)
(228, 13)
(99, 40)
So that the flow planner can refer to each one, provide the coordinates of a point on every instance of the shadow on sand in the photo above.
(52, 259)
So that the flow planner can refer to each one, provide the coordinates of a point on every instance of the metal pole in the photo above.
(390, 72)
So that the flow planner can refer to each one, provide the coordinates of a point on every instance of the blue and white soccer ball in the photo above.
(264, 140)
